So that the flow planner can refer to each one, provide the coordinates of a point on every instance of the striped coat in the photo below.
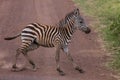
(35, 35)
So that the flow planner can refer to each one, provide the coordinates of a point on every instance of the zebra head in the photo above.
(80, 23)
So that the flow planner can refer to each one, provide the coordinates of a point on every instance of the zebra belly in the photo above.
(45, 44)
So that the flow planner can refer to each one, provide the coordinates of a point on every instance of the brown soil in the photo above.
(85, 49)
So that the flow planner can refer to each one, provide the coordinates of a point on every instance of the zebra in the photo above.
(58, 36)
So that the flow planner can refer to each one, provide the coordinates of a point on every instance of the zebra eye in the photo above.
(76, 12)
(81, 21)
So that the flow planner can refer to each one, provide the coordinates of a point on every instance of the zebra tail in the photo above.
(10, 38)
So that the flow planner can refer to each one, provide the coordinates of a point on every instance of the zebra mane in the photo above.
(63, 21)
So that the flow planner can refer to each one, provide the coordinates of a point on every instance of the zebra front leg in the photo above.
(57, 58)
(74, 64)
(65, 49)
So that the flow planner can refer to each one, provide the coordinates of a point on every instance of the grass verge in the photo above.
(108, 13)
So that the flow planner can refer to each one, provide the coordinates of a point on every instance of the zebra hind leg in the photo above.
(34, 68)
(24, 49)
(33, 46)
(14, 67)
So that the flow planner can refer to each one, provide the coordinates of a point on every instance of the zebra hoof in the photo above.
(61, 72)
(17, 69)
(34, 69)
(14, 68)
(80, 70)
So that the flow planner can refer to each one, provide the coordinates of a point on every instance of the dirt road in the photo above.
(85, 49)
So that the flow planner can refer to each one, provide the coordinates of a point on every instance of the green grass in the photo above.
(108, 13)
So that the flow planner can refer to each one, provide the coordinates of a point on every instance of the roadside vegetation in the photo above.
(108, 13)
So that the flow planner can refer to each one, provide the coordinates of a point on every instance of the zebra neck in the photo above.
(68, 33)
(70, 27)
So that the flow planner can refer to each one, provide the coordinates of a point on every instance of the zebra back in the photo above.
(64, 21)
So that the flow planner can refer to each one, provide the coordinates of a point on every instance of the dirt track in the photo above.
(85, 49)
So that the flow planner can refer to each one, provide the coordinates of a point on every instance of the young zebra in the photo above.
(35, 35)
